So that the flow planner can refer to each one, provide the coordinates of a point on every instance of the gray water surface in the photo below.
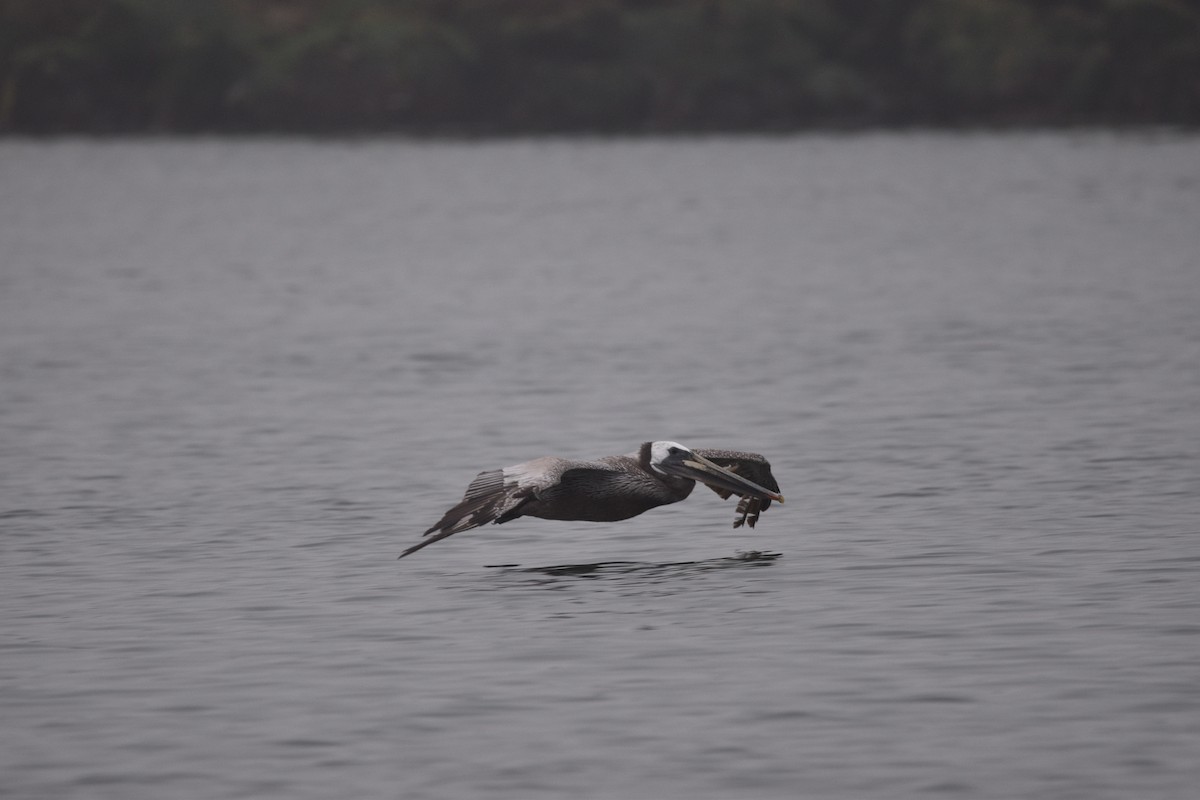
(237, 378)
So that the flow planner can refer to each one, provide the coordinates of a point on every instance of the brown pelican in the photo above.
(610, 488)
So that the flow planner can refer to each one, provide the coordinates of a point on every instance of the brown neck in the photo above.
(644, 456)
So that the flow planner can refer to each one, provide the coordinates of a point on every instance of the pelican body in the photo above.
(609, 489)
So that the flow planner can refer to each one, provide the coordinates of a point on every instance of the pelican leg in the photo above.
(749, 508)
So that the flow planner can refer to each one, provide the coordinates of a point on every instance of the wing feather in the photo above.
(751, 466)
(495, 495)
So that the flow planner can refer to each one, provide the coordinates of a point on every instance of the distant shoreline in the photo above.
(594, 67)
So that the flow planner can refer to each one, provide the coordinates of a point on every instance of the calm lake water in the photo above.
(237, 378)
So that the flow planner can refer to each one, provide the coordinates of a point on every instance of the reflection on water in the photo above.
(236, 378)
(606, 569)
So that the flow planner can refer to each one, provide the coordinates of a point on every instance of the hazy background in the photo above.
(522, 66)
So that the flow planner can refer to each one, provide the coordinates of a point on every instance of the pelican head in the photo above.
(672, 458)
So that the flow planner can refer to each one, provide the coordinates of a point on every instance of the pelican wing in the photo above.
(751, 466)
(495, 495)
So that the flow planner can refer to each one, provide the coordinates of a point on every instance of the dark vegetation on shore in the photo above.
(519, 66)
